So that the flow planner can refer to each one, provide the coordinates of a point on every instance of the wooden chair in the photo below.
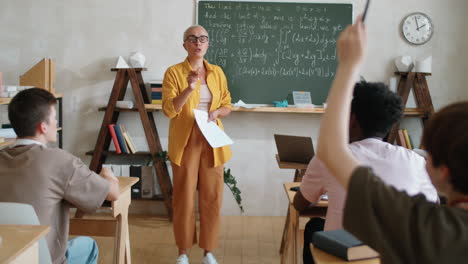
(290, 235)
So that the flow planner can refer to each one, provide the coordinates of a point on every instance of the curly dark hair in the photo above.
(28, 109)
(376, 108)
(445, 138)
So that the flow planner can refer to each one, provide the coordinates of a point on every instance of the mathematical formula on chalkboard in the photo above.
(268, 49)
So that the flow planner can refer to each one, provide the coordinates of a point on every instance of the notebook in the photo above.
(294, 148)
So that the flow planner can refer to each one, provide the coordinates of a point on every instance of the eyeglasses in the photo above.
(193, 39)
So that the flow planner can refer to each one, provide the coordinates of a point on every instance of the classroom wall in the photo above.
(86, 37)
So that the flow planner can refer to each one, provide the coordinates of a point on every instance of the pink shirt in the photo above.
(395, 165)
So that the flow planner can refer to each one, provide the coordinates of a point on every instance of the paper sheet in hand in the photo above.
(213, 134)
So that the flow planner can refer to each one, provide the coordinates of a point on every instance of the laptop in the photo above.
(294, 148)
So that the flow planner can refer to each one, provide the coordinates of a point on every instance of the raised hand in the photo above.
(352, 44)
(192, 78)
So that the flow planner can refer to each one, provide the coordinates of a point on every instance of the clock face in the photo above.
(417, 28)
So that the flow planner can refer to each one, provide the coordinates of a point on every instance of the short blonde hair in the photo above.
(192, 27)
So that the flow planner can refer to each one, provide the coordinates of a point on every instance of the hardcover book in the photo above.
(114, 139)
(342, 244)
(121, 139)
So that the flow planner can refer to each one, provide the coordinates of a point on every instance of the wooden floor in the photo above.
(243, 240)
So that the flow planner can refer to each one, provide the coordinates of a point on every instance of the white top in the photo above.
(25, 141)
(397, 166)
(205, 98)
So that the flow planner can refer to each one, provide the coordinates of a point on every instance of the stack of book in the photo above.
(156, 92)
(123, 143)
(147, 187)
(403, 139)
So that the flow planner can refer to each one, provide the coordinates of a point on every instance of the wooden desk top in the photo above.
(290, 165)
(126, 182)
(18, 238)
(291, 194)
(322, 257)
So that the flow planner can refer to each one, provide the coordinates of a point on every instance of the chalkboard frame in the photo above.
(286, 92)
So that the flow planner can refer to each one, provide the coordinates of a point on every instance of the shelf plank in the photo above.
(317, 110)
(113, 153)
(136, 69)
(7, 100)
(406, 73)
(7, 142)
(158, 197)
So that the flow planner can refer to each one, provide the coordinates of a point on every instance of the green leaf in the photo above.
(231, 183)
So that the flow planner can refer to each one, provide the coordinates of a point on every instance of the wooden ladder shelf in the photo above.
(152, 137)
(417, 81)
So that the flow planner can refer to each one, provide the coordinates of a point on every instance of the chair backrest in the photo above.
(24, 214)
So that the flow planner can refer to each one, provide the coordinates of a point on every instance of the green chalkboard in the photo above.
(269, 49)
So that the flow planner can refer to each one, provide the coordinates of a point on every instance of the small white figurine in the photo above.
(404, 63)
(137, 60)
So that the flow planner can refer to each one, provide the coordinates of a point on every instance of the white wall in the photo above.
(85, 37)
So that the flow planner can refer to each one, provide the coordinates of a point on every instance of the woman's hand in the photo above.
(192, 79)
(212, 116)
(218, 113)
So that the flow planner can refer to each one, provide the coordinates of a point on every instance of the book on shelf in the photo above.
(156, 92)
(135, 171)
(147, 190)
(342, 244)
(114, 139)
(128, 139)
(407, 139)
(121, 139)
(401, 138)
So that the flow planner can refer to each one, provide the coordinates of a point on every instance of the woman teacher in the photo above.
(195, 84)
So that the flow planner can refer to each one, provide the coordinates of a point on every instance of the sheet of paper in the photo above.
(215, 136)
(7, 133)
(241, 103)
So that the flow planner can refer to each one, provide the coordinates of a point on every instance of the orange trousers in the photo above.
(196, 171)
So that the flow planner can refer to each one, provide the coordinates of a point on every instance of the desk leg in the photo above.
(285, 241)
(119, 243)
(122, 240)
(294, 217)
(285, 234)
(298, 174)
(128, 257)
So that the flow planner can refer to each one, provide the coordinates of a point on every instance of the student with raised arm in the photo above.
(402, 229)
(395, 165)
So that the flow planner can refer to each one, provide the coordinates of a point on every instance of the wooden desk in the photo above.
(291, 228)
(116, 227)
(299, 168)
(322, 257)
(20, 243)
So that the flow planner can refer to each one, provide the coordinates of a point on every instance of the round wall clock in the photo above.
(417, 28)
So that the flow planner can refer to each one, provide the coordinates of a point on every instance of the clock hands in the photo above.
(417, 25)
(421, 26)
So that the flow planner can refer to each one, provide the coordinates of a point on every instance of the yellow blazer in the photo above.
(181, 123)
